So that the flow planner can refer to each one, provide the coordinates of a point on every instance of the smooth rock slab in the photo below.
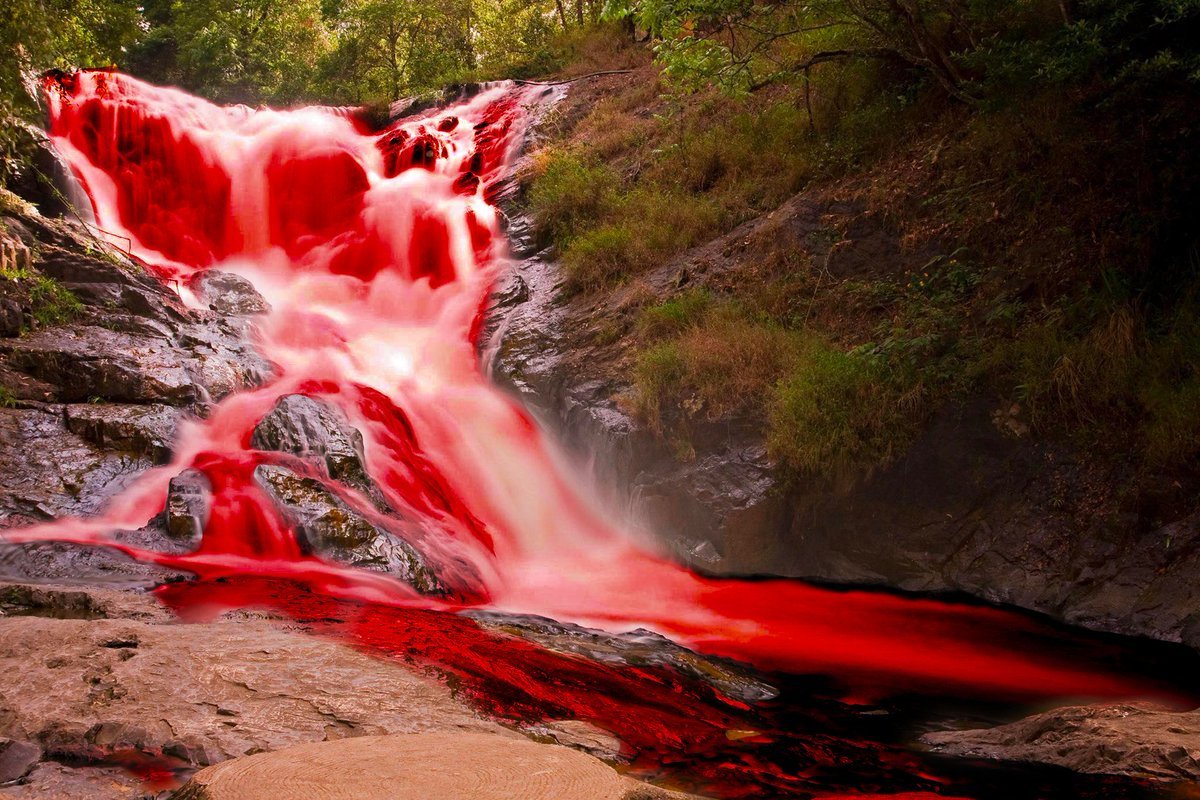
(84, 689)
(1135, 740)
(440, 766)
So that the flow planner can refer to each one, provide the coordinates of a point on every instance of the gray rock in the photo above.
(188, 499)
(47, 471)
(144, 429)
(314, 430)
(17, 759)
(228, 294)
(12, 317)
(88, 362)
(332, 529)
(637, 648)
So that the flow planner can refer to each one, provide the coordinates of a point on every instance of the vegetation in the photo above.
(827, 410)
(50, 302)
(985, 132)
(988, 132)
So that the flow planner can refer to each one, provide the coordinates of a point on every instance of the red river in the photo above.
(376, 251)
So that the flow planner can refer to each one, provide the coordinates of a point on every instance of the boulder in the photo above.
(330, 528)
(227, 294)
(188, 500)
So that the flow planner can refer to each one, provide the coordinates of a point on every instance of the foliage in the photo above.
(835, 410)
(717, 359)
(972, 49)
(40, 34)
(50, 301)
(825, 408)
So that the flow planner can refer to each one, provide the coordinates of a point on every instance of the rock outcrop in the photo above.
(89, 403)
(1133, 740)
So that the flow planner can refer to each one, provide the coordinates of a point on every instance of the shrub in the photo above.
(634, 233)
(569, 194)
(832, 411)
(53, 303)
(601, 256)
(717, 360)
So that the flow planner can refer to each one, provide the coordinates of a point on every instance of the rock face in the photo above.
(88, 405)
(1114, 740)
(116, 676)
(973, 505)
(417, 767)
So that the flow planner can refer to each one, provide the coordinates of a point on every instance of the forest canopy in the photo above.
(370, 51)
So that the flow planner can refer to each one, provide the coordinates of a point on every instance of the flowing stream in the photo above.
(376, 251)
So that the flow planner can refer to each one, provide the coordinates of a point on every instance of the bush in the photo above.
(633, 233)
(601, 256)
(718, 359)
(53, 304)
(569, 194)
(833, 411)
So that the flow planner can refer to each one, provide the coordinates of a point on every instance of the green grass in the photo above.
(53, 304)
(623, 192)
(836, 410)
(7, 399)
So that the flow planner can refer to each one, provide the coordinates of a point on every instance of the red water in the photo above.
(376, 251)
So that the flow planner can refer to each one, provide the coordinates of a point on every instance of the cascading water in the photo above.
(376, 251)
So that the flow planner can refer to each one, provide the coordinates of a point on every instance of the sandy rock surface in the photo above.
(123, 683)
(463, 766)
(1134, 740)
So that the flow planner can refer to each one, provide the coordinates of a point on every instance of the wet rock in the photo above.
(512, 292)
(69, 563)
(331, 528)
(17, 759)
(314, 430)
(144, 429)
(47, 471)
(12, 317)
(581, 736)
(93, 362)
(188, 500)
(228, 294)
(1130, 740)
(419, 767)
(637, 648)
